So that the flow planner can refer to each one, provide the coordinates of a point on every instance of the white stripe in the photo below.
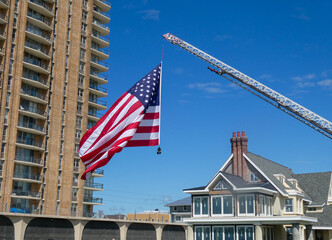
(149, 122)
(153, 109)
(145, 136)
(97, 131)
(132, 118)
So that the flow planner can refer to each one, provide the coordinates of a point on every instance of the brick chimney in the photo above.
(239, 146)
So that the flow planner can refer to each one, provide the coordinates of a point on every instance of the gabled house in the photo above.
(251, 197)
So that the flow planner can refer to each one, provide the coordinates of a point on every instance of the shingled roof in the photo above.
(182, 202)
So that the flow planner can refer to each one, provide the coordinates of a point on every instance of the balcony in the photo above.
(37, 51)
(31, 128)
(41, 7)
(102, 53)
(102, 66)
(94, 115)
(4, 4)
(2, 35)
(92, 200)
(27, 160)
(40, 21)
(98, 173)
(35, 65)
(38, 36)
(97, 90)
(25, 194)
(1, 67)
(104, 5)
(2, 51)
(32, 112)
(30, 143)
(93, 186)
(27, 177)
(35, 80)
(97, 103)
(104, 17)
(100, 27)
(3, 18)
(101, 40)
(33, 96)
(98, 77)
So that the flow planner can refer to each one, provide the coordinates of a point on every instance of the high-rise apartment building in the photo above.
(52, 68)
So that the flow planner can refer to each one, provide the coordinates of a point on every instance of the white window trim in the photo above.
(223, 232)
(245, 232)
(289, 205)
(222, 205)
(201, 207)
(266, 206)
(238, 205)
(203, 232)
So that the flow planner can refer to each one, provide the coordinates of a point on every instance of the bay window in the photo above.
(246, 204)
(265, 205)
(201, 206)
(222, 205)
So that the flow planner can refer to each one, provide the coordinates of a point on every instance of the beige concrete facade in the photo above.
(150, 216)
(52, 59)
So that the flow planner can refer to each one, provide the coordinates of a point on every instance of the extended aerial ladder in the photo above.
(283, 103)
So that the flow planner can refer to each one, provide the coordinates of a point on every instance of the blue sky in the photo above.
(285, 45)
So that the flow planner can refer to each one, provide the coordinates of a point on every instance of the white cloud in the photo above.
(211, 87)
(304, 77)
(326, 83)
(152, 14)
(326, 73)
(301, 14)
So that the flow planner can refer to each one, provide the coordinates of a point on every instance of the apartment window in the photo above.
(83, 40)
(7, 99)
(85, 3)
(65, 89)
(245, 233)
(84, 16)
(78, 122)
(84, 27)
(4, 133)
(79, 107)
(82, 54)
(76, 162)
(289, 205)
(222, 205)
(73, 207)
(77, 147)
(202, 233)
(60, 161)
(81, 79)
(78, 134)
(75, 180)
(6, 115)
(246, 204)
(59, 178)
(75, 190)
(201, 206)
(3, 149)
(58, 193)
(80, 93)
(61, 147)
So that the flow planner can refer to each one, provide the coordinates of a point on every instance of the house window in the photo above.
(253, 178)
(221, 233)
(245, 233)
(289, 205)
(178, 218)
(246, 205)
(202, 233)
(221, 185)
(184, 208)
(268, 233)
(222, 205)
(265, 205)
(289, 233)
(201, 206)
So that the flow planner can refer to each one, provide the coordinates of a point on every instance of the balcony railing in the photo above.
(25, 158)
(2, 50)
(36, 62)
(35, 77)
(89, 214)
(26, 193)
(98, 101)
(98, 171)
(3, 33)
(103, 50)
(3, 16)
(33, 94)
(4, 1)
(106, 2)
(102, 63)
(31, 125)
(93, 185)
(27, 176)
(99, 75)
(33, 110)
(38, 48)
(98, 10)
(106, 39)
(30, 141)
(39, 33)
(40, 18)
(41, 3)
(95, 114)
(93, 200)
(98, 88)
(94, 21)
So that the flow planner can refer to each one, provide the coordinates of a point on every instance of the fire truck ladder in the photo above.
(267, 94)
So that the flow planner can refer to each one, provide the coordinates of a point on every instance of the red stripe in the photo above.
(151, 115)
(147, 129)
(95, 154)
(142, 143)
(101, 120)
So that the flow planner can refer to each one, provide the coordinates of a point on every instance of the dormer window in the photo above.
(253, 178)
(281, 179)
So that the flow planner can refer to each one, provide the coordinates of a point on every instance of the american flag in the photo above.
(132, 121)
